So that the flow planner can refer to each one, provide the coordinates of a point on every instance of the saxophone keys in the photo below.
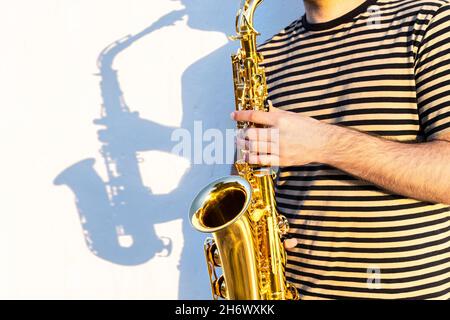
(220, 289)
(292, 293)
(283, 225)
(211, 252)
(260, 91)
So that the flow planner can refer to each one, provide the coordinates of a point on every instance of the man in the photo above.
(361, 96)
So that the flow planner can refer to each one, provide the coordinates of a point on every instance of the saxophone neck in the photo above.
(245, 19)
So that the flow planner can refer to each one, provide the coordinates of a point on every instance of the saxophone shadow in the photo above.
(118, 216)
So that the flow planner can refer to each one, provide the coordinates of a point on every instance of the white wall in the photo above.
(174, 72)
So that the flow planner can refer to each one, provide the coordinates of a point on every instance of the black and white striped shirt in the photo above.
(383, 68)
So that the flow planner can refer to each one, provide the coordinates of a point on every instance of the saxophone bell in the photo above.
(220, 203)
(221, 209)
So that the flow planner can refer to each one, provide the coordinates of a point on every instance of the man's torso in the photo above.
(356, 240)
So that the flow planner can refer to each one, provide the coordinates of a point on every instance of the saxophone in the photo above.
(240, 211)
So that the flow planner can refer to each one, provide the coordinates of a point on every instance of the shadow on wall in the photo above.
(118, 215)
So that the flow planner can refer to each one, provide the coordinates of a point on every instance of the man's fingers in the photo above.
(256, 146)
(262, 159)
(258, 117)
(261, 134)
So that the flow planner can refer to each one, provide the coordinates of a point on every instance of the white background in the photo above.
(50, 96)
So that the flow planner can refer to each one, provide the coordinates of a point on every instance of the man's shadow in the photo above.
(118, 215)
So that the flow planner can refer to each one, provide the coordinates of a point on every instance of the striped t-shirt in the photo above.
(383, 68)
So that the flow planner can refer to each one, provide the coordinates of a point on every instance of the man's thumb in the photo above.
(271, 107)
(290, 243)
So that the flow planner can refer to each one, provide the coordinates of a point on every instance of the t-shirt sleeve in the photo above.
(432, 73)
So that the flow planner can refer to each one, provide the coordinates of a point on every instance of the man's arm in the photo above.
(420, 171)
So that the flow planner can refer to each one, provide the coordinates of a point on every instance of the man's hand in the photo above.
(289, 140)
(415, 170)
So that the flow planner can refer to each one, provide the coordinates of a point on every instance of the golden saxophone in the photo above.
(240, 211)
